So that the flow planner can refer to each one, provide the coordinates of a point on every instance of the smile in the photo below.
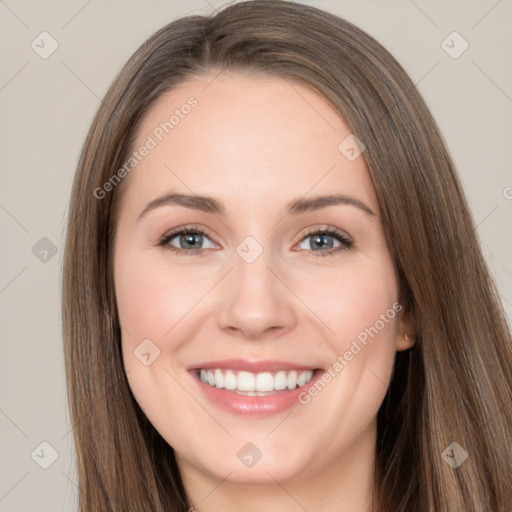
(255, 384)
(253, 388)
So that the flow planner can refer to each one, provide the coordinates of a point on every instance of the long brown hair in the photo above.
(454, 385)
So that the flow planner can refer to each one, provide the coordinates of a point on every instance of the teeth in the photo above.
(264, 382)
(292, 380)
(280, 381)
(255, 384)
(246, 382)
(219, 379)
(230, 380)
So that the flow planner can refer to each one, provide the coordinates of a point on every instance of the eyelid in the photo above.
(193, 228)
(325, 228)
(346, 241)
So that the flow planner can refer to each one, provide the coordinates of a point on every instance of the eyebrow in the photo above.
(214, 206)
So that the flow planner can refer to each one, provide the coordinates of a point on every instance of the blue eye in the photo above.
(326, 238)
(322, 242)
(188, 240)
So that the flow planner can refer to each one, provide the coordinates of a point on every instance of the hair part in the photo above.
(453, 385)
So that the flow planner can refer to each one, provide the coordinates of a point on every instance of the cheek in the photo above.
(352, 300)
(361, 309)
(151, 302)
(359, 305)
(153, 297)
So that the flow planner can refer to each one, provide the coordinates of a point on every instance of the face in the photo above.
(255, 287)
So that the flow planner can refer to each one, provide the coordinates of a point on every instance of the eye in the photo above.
(186, 239)
(320, 242)
(326, 242)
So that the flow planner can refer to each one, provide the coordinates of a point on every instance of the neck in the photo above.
(345, 483)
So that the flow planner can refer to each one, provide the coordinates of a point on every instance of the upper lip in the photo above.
(251, 366)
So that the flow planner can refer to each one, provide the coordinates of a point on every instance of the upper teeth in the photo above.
(254, 382)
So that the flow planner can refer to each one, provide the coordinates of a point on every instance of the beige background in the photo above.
(47, 105)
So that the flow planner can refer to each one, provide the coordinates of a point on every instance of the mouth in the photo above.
(255, 384)
(260, 389)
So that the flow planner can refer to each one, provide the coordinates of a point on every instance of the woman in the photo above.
(218, 358)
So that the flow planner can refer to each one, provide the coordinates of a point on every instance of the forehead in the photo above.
(245, 135)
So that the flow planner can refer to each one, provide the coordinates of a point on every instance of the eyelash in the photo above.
(346, 242)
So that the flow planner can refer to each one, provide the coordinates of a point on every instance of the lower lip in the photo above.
(259, 406)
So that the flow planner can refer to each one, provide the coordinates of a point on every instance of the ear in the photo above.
(406, 331)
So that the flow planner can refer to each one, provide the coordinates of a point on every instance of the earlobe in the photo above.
(405, 331)
(405, 342)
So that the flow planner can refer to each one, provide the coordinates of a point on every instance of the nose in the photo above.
(255, 300)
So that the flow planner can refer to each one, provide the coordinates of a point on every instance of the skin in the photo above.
(256, 143)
